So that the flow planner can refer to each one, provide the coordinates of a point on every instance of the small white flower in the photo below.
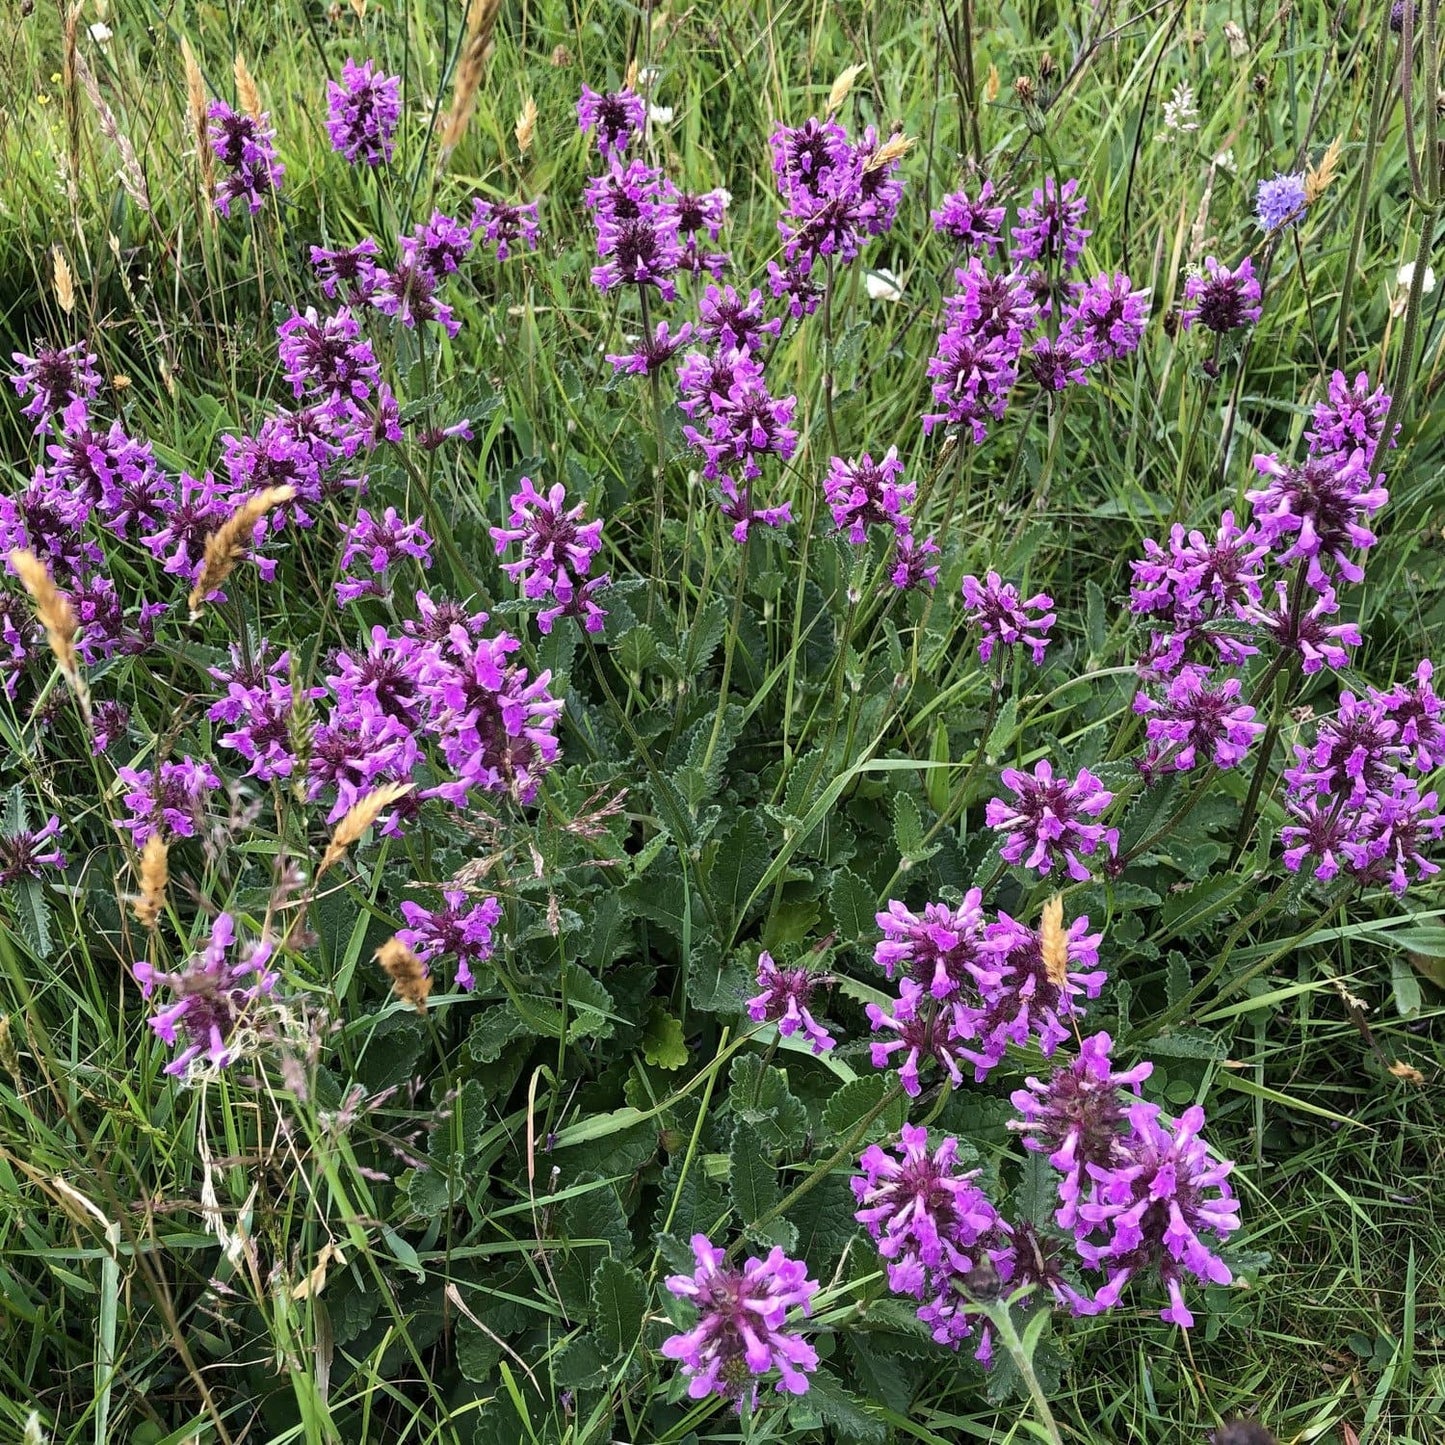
(1180, 112)
(100, 33)
(1225, 160)
(1404, 277)
(883, 286)
(660, 114)
(647, 77)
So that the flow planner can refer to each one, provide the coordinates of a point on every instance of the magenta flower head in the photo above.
(653, 352)
(972, 372)
(52, 379)
(738, 507)
(257, 708)
(1419, 714)
(212, 994)
(245, 145)
(365, 106)
(784, 1000)
(911, 567)
(742, 1329)
(1059, 362)
(995, 608)
(352, 267)
(1281, 201)
(865, 492)
(923, 1032)
(732, 323)
(1107, 316)
(1078, 1118)
(377, 544)
(618, 117)
(23, 853)
(1153, 1207)
(1319, 643)
(1046, 825)
(1196, 723)
(558, 549)
(941, 950)
(1219, 299)
(327, 356)
(1351, 416)
(171, 801)
(503, 225)
(459, 929)
(1051, 231)
(975, 224)
(1317, 511)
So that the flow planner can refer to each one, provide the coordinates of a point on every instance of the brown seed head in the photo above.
(1054, 941)
(843, 86)
(246, 90)
(991, 85)
(526, 125)
(561, 57)
(408, 975)
(228, 544)
(57, 617)
(1024, 91)
(1318, 178)
(1408, 1072)
(64, 281)
(154, 876)
(481, 21)
(358, 818)
(894, 148)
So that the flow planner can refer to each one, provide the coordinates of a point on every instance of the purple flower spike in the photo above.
(1221, 300)
(1281, 201)
(1352, 416)
(1419, 714)
(23, 854)
(1319, 643)
(1059, 362)
(943, 950)
(1197, 723)
(1046, 826)
(1107, 316)
(327, 356)
(911, 567)
(1153, 1207)
(464, 932)
(353, 267)
(245, 145)
(52, 379)
(731, 323)
(378, 544)
(653, 352)
(365, 106)
(1078, 1118)
(742, 1326)
(865, 492)
(210, 996)
(257, 707)
(995, 608)
(737, 506)
(618, 117)
(558, 549)
(975, 224)
(784, 999)
(924, 1033)
(171, 802)
(1051, 231)
(503, 225)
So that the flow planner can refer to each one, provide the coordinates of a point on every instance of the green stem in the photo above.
(729, 649)
(1003, 1325)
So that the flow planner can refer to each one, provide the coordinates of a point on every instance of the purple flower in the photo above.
(1219, 299)
(993, 304)
(745, 424)
(1355, 752)
(22, 854)
(1046, 826)
(258, 705)
(379, 543)
(1051, 230)
(558, 550)
(1023, 999)
(210, 997)
(1319, 644)
(619, 117)
(327, 356)
(653, 352)
(1153, 1208)
(943, 950)
(737, 506)
(1199, 580)
(742, 1325)
(1351, 417)
(1059, 362)
(52, 379)
(733, 324)
(245, 145)
(1281, 201)
(784, 999)
(108, 470)
(179, 545)
(1420, 716)
(456, 929)
(352, 267)
(503, 225)
(1317, 510)
(439, 247)
(1386, 845)
(109, 720)
(923, 1031)
(1078, 1119)
(798, 285)
(49, 520)
(1195, 723)
(365, 106)
(972, 376)
(974, 224)
(409, 294)
(639, 239)
(700, 214)
(995, 608)
(866, 492)
(1107, 316)
(911, 567)
(171, 802)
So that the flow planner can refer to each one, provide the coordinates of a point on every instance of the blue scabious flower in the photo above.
(1281, 201)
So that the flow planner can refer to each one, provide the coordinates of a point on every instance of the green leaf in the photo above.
(908, 830)
(1096, 619)
(741, 859)
(853, 904)
(32, 916)
(493, 1030)
(1178, 980)
(635, 649)
(760, 1095)
(607, 924)
(854, 1101)
(752, 1179)
(843, 1410)
(1187, 1043)
(663, 1044)
(1184, 912)
(581, 1364)
(619, 1299)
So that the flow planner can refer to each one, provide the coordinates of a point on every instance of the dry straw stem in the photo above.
(1318, 178)
(154, 876)
(64, 281)
(526, 125)
(57, 617)
(228, 544)
(894, 148)
(246, 91)
(477, 48)
(843, 86)
(130, 174)
(358, 818)
(1054, 942)
(196, 111)
(408, 975)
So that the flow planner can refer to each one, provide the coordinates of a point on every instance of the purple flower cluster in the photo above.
(784, 999)
(558, 549)
(378, 544)
(54, 378)
(211, 996)
(259, 708)
(504, 224)
(742, 1328)
(1281, 201)
(1045, 825)
(171, 800)
(619, 118)
(1196, 723)
(639, 231)
(364, 108)
(1219, 299)
(865, 493)
(23, 854)
(459, 929)
(245, 145)
(995, 608)
(975, 224)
